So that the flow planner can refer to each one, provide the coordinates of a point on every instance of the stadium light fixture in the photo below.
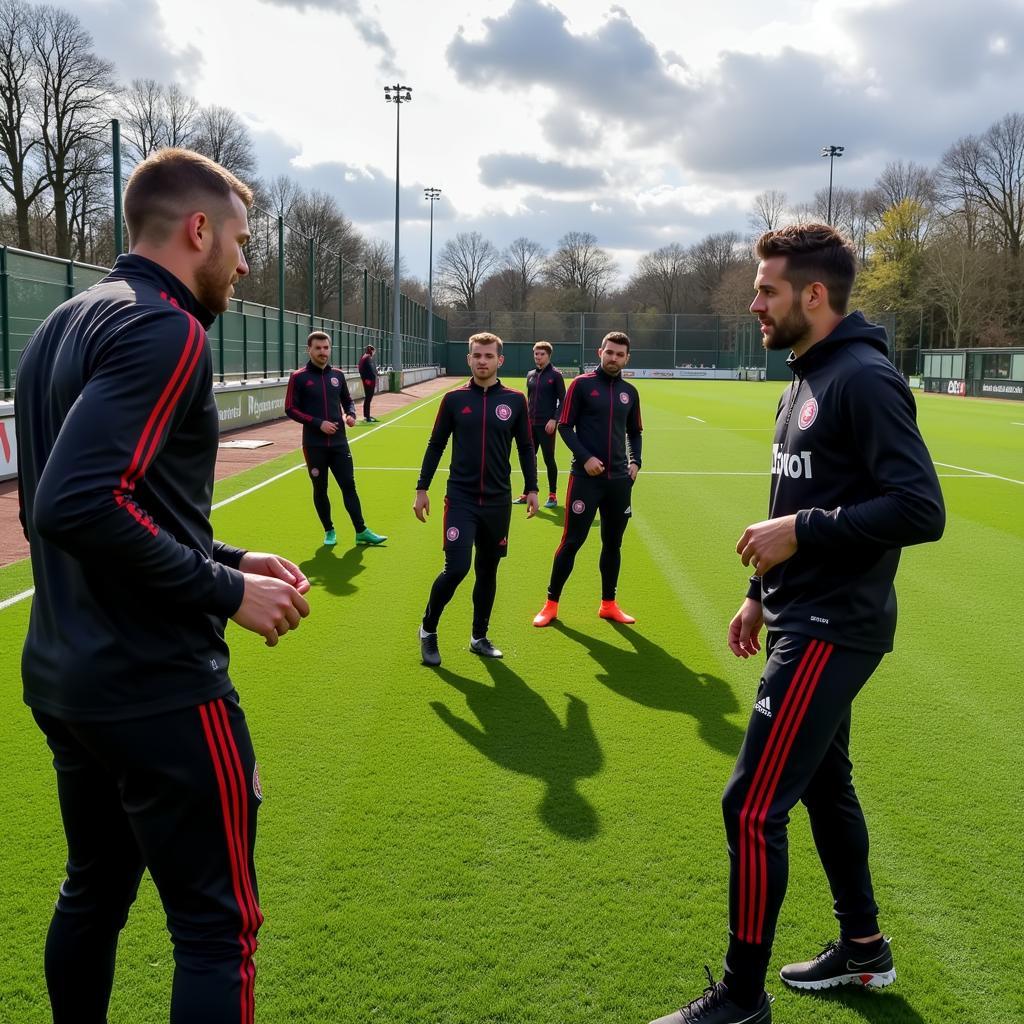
(431, 195)
(831, 152)
(397, 94)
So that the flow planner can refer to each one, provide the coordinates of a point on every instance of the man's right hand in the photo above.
(744, 629)
(270, 607)
(594, 466)
(328, 427)
(421, 506)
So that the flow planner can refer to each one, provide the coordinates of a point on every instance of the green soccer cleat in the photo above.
(330, 539)
(369, 538)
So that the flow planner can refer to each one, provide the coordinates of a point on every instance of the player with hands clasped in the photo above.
(852, 484)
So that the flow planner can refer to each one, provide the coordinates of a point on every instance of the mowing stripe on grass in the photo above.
(250, 490)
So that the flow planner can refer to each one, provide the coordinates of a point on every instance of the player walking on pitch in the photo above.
(545, 391)
(601, 424)
(319, 399)
(852, 484)
(483, 419)
(125, 665)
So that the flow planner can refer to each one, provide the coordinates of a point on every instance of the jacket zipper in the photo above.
(483, 452)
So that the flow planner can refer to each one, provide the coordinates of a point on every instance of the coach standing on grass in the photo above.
(545, 392)
(483, 418)
(852, 484)
(125, 665)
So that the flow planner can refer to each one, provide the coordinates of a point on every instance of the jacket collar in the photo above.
(473, 386)
(130, 267)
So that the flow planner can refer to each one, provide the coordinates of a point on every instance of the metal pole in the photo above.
(366, 298)
(280, 293)
(115, 131)
(396, 339)
(5, 320)
(430, 292)
(312, 283)
(831, 161)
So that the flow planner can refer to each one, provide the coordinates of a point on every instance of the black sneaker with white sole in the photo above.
(843, 963)
(429, 653)
(484, 648)
(715, 1007)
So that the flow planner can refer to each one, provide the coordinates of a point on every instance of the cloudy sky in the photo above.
(642, 121)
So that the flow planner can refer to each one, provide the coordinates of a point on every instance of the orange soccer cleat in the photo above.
(611, 610)
(547, 614)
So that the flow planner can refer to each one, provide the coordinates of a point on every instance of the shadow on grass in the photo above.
(518, 731)
(334, 572)
(649, 676)
(875, 1007)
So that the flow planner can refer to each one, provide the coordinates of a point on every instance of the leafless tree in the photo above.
(522, 268)
(711, 258)
(768, 211)
(181, 113)
(143, 119)
(21, 176)
(579, 264)
(735, 289)
(75, 84)
(463, 264)
(987, 171)
(221, 135)
(661, 279)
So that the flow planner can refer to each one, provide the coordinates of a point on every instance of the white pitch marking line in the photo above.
(1014, 423)
(697, 418)
(978, 472)
(250, 490)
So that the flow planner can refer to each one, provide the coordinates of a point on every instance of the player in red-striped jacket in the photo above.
(125, 666)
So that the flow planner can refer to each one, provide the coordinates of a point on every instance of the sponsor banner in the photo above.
(684, 373)
(8, 443)
(998, 389)
(956, 387)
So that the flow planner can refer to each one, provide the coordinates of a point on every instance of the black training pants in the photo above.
(468, 527)
(545, 443)
(796, 748)
(583, 498)
(367, 398)
(176, 793)
(337, 459)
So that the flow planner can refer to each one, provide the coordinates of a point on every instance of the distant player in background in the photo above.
(852, 484)
(483, 418)
(368, 375)
(319, 399)
(601, 424)
(545, 390)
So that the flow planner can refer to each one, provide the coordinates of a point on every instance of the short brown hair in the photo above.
(317, 336)
(171, 184)
(369, 349)
(813, 252)
(485, 338)
(546, 345)
(616, 338)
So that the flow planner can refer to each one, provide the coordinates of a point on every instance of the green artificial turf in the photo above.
(539, 840)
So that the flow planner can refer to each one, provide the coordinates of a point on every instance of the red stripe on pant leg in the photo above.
(568, 512)
(216, 754)
(745, 834)
(814, 676)
(256, 916)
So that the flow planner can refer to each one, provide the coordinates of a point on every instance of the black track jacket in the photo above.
(315, 395)
(599, 414)
(484, 423)
(368, 372)
(545, 391)
(117, 440)
(849, 461)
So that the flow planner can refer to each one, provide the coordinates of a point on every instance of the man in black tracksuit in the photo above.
(319, 399)
(125, 666)
(602, 426)
(545, 391)
(852, 484)
(368, 375)
(483, 418)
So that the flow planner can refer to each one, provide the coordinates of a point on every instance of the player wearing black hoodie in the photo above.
(125, 665)
(852, 484)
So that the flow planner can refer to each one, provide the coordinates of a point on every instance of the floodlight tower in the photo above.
(831, 152)
(397, 94)
(431, 195)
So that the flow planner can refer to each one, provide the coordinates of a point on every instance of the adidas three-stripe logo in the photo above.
(764, 705)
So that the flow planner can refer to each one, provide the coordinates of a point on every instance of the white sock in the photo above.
(424, 634)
